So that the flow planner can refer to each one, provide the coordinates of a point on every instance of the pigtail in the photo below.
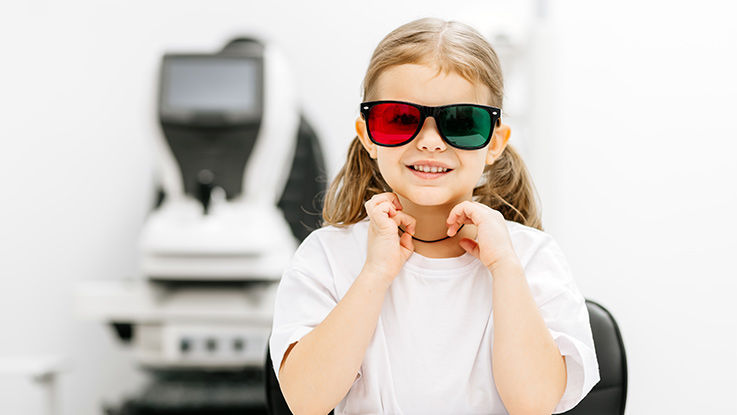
(357, 181)
(508, 188)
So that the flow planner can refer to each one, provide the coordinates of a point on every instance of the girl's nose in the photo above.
(429, 137)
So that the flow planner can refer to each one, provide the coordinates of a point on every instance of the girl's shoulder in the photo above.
(330, 236)
(332, 231)
(528, 240)
(332, 250)
(523, 231)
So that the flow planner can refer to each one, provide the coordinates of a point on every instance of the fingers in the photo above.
(384, 197)
(395, 200)
(383, 207)
(463, 213)
(468, 212)
(406, 241)
(407, 222)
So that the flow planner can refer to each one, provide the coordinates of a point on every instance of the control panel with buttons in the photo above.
(216, 343)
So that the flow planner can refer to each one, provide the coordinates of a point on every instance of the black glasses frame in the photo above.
(425, 111)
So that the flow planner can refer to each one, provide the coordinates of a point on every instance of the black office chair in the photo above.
(274, 398)
(610, 394)
(608, 397)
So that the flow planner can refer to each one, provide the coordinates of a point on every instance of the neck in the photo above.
(431, 225)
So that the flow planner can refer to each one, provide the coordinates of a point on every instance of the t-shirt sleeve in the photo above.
(305, 296)
(564, 311)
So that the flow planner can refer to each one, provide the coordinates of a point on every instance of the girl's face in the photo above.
(422, 84)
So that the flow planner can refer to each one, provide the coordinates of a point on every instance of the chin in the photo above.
(426, 198)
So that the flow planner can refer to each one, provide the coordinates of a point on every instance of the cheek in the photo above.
(475, 170)
(388, 162)
(475, 162)
(389, 171)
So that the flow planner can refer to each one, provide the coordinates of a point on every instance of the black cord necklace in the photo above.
(437, 240)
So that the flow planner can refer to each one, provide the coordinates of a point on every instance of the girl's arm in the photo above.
(323, 365)
(529, 371)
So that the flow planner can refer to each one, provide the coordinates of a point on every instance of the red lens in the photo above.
(393, 123)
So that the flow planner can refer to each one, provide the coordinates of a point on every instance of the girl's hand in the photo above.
(387, 252)
(493, 243)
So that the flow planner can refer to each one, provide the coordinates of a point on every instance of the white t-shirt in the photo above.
(431, 351)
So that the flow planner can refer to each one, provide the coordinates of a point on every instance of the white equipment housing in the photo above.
(213, 250)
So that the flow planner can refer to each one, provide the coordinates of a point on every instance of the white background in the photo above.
(634, 165)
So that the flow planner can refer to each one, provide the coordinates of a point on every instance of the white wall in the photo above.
(645, 188)
(633, 169)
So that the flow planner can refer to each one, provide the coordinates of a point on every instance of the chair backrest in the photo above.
(608, 397)
(274, 399)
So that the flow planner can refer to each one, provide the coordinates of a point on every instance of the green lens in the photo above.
(465, 126)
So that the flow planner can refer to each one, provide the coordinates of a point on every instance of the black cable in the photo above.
(437, 240)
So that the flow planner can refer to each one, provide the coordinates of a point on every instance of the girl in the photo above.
(432, 288)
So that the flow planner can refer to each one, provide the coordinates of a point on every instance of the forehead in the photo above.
(427, 85)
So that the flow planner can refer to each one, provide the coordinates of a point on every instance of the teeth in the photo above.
(428, 169)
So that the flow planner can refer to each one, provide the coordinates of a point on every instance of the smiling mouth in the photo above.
(428, 169)
(429, 174)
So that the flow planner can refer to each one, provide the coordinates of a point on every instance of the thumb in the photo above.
(406, 245)
(470, 246)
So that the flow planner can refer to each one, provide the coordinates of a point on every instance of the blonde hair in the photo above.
(452, 47)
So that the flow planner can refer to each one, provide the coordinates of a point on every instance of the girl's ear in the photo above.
(363, 136)
(498, 142)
